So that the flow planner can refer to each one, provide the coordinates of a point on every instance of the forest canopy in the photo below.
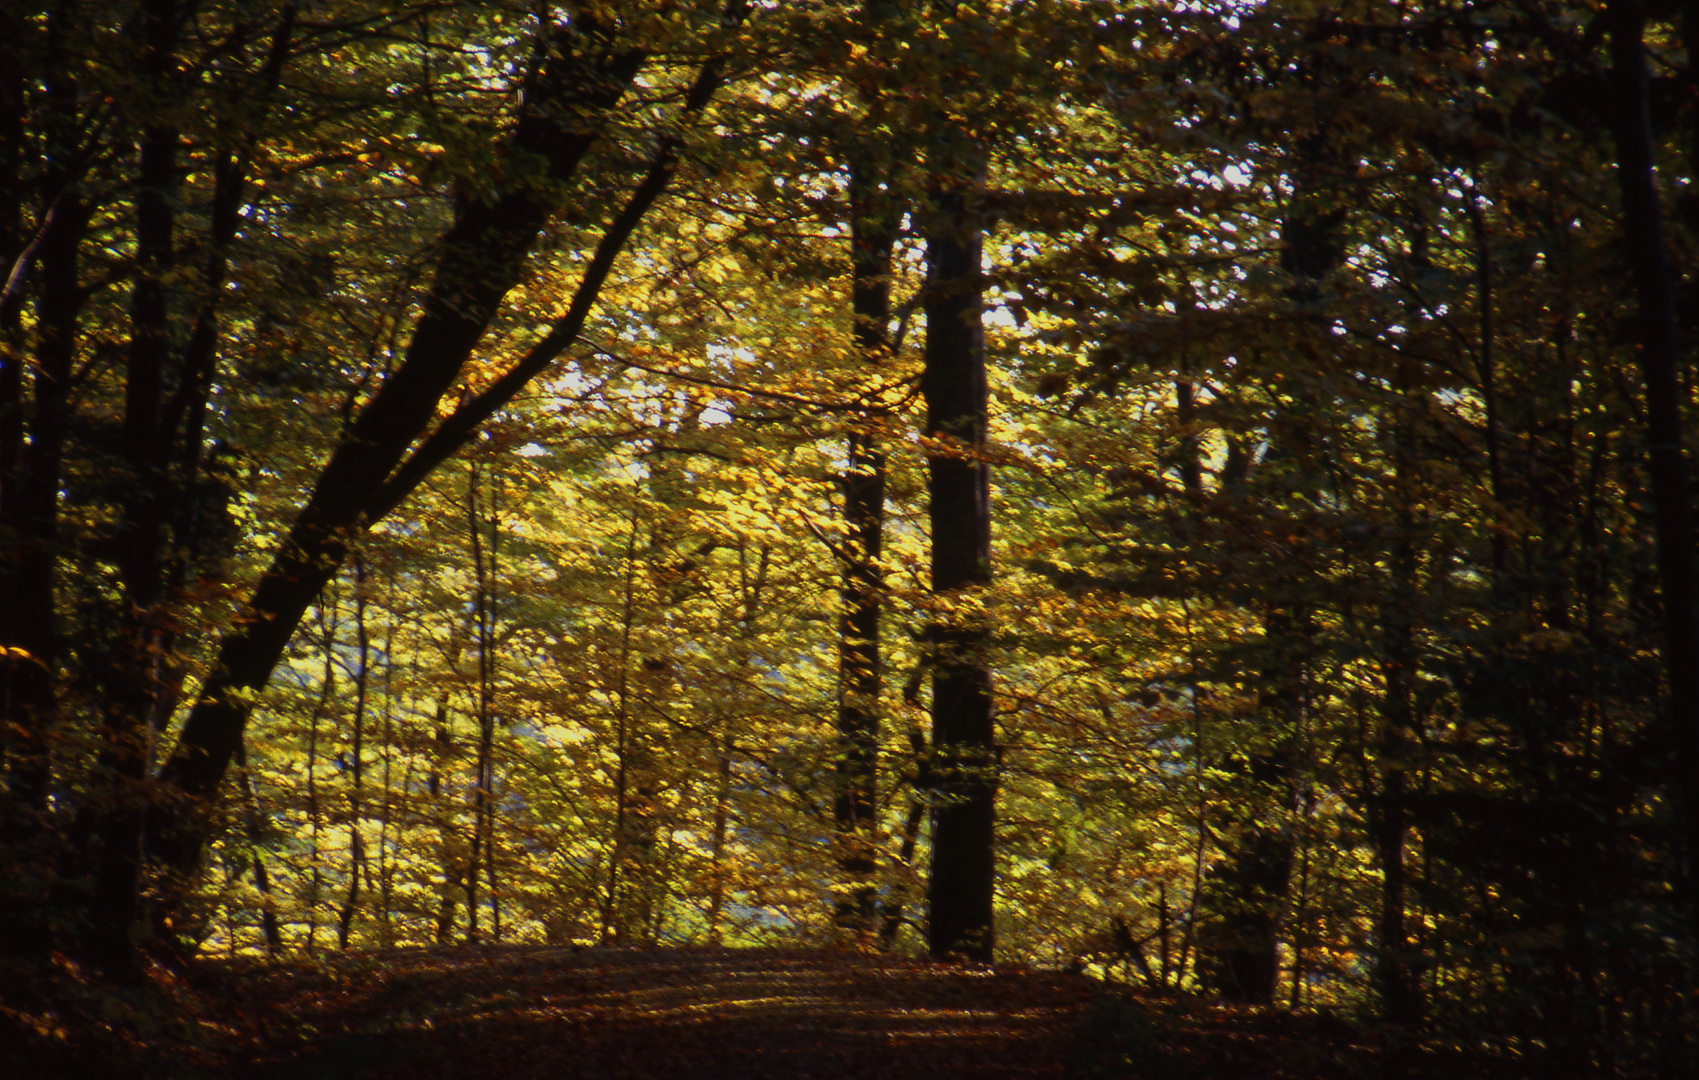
(1195, 492)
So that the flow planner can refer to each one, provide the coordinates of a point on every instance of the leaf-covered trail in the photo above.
(626, 1014)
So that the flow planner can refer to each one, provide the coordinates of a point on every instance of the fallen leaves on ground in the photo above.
(632, 1014)
(523, 1012)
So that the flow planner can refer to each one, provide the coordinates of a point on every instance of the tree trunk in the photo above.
(1672, 495)
(442, 746)
(960, 892)
(357, 762)
(1399, 992)
(129, 680)
(873, 229)
(30, 514)
(483, 788)
(625, 909)
(327, 693)
(1244, 897)
(34, 423)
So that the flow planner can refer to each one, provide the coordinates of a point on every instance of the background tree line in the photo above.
(1198, 492)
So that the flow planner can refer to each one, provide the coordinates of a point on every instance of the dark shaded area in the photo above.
(636, 1014)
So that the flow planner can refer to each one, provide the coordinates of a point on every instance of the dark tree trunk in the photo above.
(1244, 896)
(1238, 947)
(31, 516)
(960, 892)
(129, 676)
(1487, 372)
(1654, 286)
(873, 230)
(30, 482)
(1399, 990)
(157, 533)
(16, 671)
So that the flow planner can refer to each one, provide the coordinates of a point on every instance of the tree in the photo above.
(1655, 286)
(875, 212)
(961, 887)
(1336, 613)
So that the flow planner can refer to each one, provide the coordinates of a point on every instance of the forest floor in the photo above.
(521, 1012)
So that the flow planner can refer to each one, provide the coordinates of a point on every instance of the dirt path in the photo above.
(532, 1012)
(625, 1014)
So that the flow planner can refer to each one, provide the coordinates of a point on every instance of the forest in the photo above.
(1190, 492)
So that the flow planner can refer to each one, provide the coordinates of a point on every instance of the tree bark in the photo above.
(357, 761)
(873, 230)
(129, 671)
(30, 483)
(483, 788)
(1400, 993)
(1672, 494)
(1244, 896)
(962, 885)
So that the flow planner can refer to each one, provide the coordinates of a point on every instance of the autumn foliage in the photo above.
(1195, 494)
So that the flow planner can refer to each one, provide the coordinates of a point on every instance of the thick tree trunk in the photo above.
(873, 229)
(129, 678)
(1400, 994)
(31, 516)
(30, 482)
(29, 630)
(1672, 494)
(15, 258)
(960, 892)
(1244, 897)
